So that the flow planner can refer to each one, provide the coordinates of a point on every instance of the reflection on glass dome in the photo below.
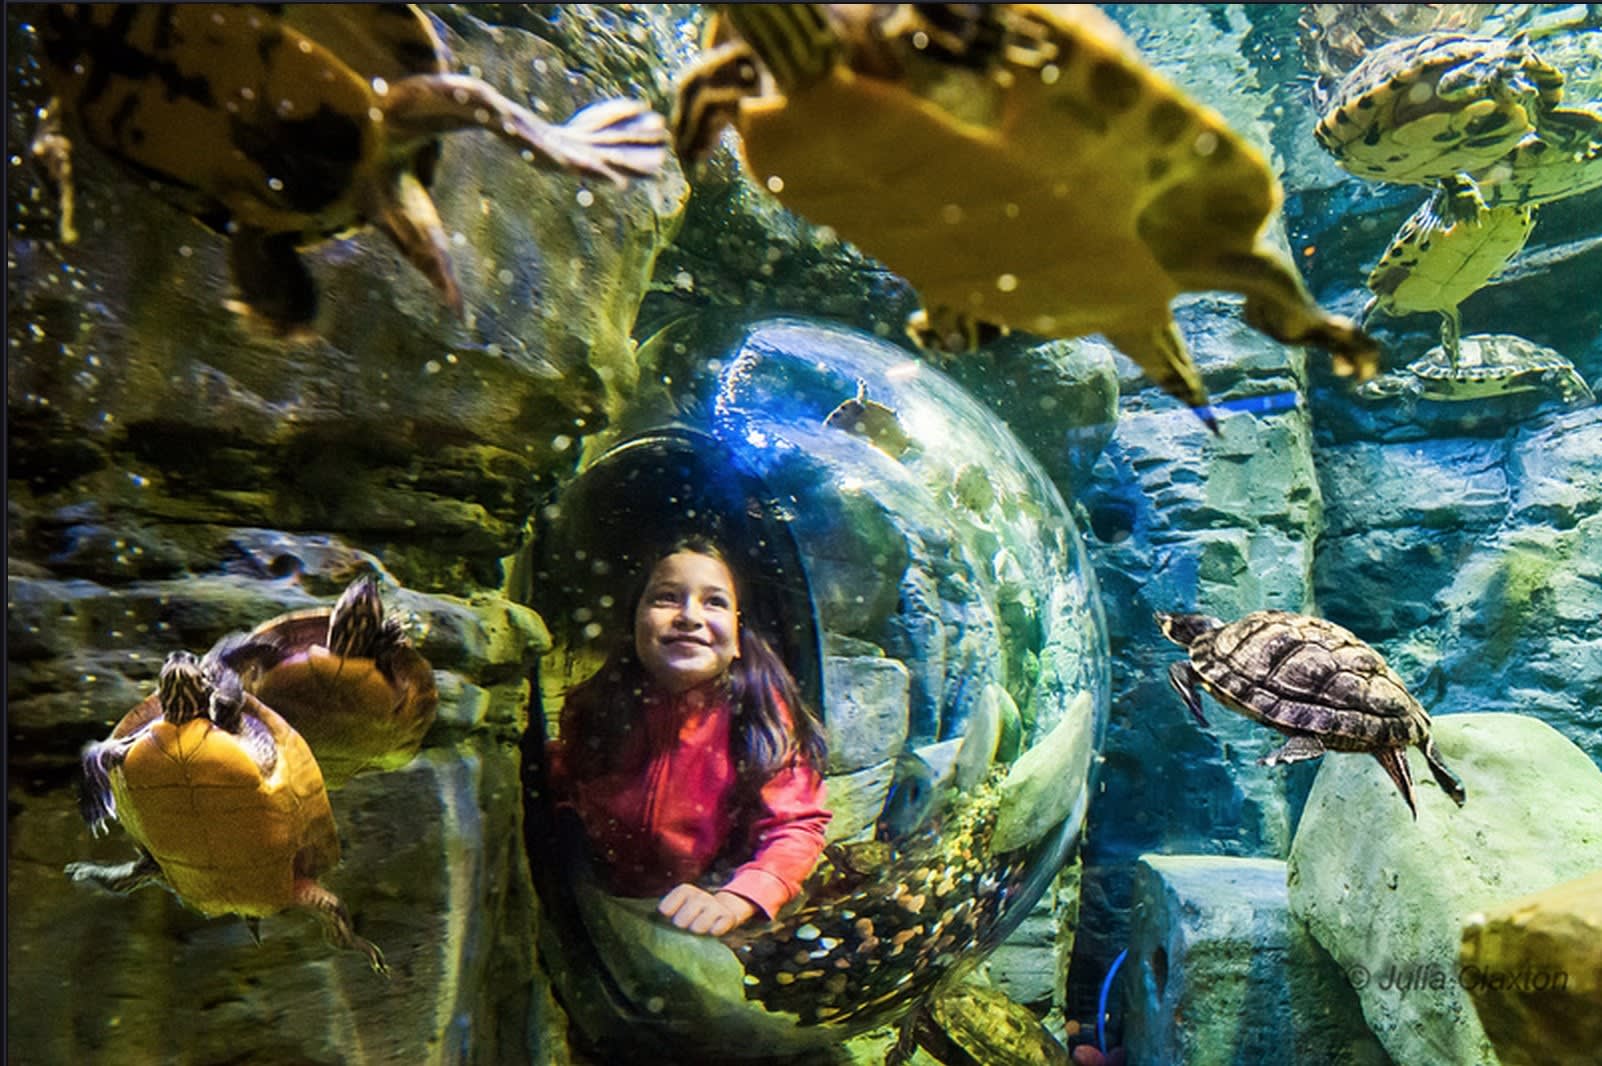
(923, 582)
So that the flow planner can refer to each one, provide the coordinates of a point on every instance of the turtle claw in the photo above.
(1182, 676)
(616, 139)
(253, 926)
(121, 878)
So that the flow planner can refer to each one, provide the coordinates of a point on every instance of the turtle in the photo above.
(348, 679)
(872, 420)
(1334, 38)
(1482, 107)
(965, 1022)
(279, 126)
(1310, 679)
(1488, 365)
(951, 140)
(1418, 109)
(1446, 251)
(223, 799)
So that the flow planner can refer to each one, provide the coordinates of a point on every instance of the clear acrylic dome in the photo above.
(925, 584)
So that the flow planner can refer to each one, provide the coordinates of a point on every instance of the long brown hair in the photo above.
(772, 722)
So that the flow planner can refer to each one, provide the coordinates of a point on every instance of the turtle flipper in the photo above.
(121, 878)
(942, 329)
(614, 139)
(1161, 353)
(1183, 677)
(1278, 304)
(253, 927)
(95, 800)
(1395, 762)
(407, 215)
(53, 147)
(1449, 782)
(248, 655)
(275, 288)
(1296, 749)
(1451, 335)
(336, 921)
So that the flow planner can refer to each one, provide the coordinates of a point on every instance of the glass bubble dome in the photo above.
(926, 585)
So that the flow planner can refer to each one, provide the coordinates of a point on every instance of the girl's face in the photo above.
(687, 625)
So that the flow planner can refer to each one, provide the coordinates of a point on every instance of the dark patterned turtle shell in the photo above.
(1311, 680)
(1296, 672)
(973, 1022)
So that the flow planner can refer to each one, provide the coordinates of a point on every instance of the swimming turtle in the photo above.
(1313, 681)
(223, 798)
(872, 420)
(1019, 164)
(1447, 250)
(348, 679)
(282, 125)
(1487, 365)
(1485, 108)
(1418, 109)
(1335, 37)
(967, 1023)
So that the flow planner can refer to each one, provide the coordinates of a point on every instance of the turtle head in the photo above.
(184, 689)
(1182, 629)
(356, 625)
(796, 42)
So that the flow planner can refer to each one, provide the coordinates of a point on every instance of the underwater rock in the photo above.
(857, 799)
(1473, 565)
(1387, 897)
(1038, 793)
(423, 437)
(1533, 967)
(1059, 397)
(1218, 973)
(867, 710)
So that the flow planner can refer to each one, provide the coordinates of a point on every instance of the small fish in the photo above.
(873, 420)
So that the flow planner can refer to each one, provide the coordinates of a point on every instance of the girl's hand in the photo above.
(696, 910)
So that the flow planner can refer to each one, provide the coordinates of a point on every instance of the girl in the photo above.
(691, 749)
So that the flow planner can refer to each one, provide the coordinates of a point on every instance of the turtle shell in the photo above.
(1444, 254)
(1562, 158)
(1497, 365)
(957, 173)
(973, 1023)
(1417, 110)
(228, 839)
(356, 713)
(1334, 38)
(1301, 674)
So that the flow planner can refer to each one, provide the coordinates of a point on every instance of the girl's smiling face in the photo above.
(687, 624)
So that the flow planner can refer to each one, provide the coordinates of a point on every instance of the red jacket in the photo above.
(669, 822)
